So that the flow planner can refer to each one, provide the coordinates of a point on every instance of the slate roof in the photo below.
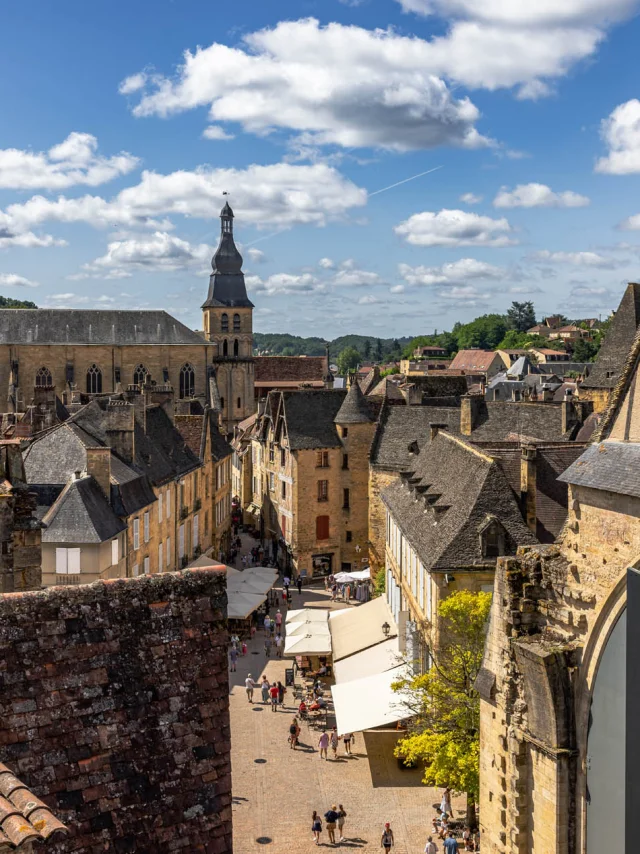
(79, 326)
(275, 369)
(355, 407)
(454, 493)
(404, 430)
(81, 514)
(473, 360)
(310, 417)
(499, 418)
(617, 342)
(612, 466)
(388, 389)
(194, 429)
(24, 818)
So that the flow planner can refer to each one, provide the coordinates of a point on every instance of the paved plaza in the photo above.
(275, 789)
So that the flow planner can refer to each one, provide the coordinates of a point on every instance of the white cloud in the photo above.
(339, 85)
(354, 278)
(284, 283)
(257, 256)
(216, 132)
(466, 294)
(631, 223)
(159, 251)
(470, 199)
(133, 84)
(368, 300)
(538, 196)
(326, 264)
(457, 272)
(71, 162)
(455, 228)
(11, 280)
(25, 239)
(578, 259)
(282, 192)
(621, 133)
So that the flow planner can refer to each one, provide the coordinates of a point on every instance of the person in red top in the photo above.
(273, 693)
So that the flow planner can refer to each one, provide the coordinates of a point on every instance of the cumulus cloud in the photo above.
(284, 283)
(334, 84)
(159, 251)
(71, 162)
(351, 277)
(217, 133)
(12, 280)
(538, 196)
(368, 300)
(455, 228)
(257, 256)
(397, 289)
(470, 199)
(621, 134)
(457, 272)
(326, 264)
(631, 223)
(578, 259)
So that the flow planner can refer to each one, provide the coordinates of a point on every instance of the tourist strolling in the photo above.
(331, 818)
(281, 692)
(445, 803)
(342, 814)
(450, 844)
(387, 838)
(233, 656)
(347, 738)
(264, 687)
(273, 693)
(323, 743)
(430, 847)
(294, 733)
(333, 738)
(267, 646)
(278, 642)
(267, 625)
(249, 685)
(316, 827)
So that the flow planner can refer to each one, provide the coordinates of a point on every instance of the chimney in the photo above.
(120, 421)
(99, 468)
(412, 394)
(139, 400)
(528, 454)
(469, 411)
(162, 396)
(434, 429)
(568, 412)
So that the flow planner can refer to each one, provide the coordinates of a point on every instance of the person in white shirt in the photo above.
(430, 847)
(249, 685)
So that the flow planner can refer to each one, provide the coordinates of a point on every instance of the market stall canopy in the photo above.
(376, 659)
(307, 615)
(318, 643)
(356, 629)
(369, 702)
(240, 606)
(254, 579)
(359, 575)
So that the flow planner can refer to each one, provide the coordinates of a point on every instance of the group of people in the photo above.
(235, 645)
(332, 739)
(442, 829)
(271, 692)
(334, 819)
(273, 634)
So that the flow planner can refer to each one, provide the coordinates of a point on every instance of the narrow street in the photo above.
(275, 789)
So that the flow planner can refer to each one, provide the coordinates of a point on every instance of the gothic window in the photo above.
(236, 347)
(187, 381)
(140, 375)
(43, 378)
(236, 323)
(94, 380)
(224, 322)
(225, 347)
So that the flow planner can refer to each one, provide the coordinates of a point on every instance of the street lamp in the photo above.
(386, 628)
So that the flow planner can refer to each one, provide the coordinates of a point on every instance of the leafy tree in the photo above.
(378, 350)
(348, 360)
(522, 341)
(521, 316)
(585, 351)
(380, 582)
(366, 349)
(483, 333)
(444, 732)
(9, 302)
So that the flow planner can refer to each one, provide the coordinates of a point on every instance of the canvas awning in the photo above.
(253, 579)
(240, 606)
(356, 629)
(369, 702)
(307, 615)
(358, 575)
(317, 643)
(383, 656)
(307, 632)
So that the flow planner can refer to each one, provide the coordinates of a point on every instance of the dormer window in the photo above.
(492, 538)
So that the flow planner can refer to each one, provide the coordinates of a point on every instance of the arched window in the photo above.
(236, 323)
(225, 347)
(187, 380)
(224, 322)
(94, 380)
(140, 375)
(43, 378)
(236, 347)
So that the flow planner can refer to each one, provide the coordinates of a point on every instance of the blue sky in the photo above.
(116, 145)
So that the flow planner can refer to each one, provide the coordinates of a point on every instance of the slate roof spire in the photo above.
(354, 409)
(226, 285)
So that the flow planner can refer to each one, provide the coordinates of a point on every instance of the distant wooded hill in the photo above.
(276, 344)
(8, 302)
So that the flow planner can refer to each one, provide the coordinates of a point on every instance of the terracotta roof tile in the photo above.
(473, 360)
(24, 818)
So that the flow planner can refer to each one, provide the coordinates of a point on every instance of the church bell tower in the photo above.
(228, 325)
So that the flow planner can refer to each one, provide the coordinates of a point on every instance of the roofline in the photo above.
(466, 445)
(619, 391)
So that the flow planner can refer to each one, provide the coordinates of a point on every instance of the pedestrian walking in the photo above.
(249, 685)
(273, 693)
(445, 803)
(323, 743)
(294, 732)
(267, 624)
(278, 642)
(333, 738)
(244, 561)
(450, 844)
(264, 687)
(281, 692)
(342, 814)
(466, 838)
(233, 655)
(430, 847)
(316, 826)
(235, 641)
(267, 646)
(387, 838)
(278, 619)
(244, 647)
(331, 818)
(299, 585)
(347, 739)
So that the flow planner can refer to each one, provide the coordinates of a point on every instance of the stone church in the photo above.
(97, 352)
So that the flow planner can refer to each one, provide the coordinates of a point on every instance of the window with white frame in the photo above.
(146, 566)
(160, 508)
(181, 541)
(194, 533)
(136, 570)
(160, 557)
(67, 561)
(146, 526)
(136, 533)
(168, 503)
(115, 552)
(168, 551)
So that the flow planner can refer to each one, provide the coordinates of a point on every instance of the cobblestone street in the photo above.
(273, 797)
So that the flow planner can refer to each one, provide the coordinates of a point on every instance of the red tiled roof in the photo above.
(473, 360)
(24, 818)
(275, 369)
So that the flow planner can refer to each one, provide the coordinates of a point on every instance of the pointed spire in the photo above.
(354, 409)
(226, 284)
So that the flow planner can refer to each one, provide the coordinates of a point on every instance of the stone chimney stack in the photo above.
(162, 396)
(99, 467)
(120, 429)
(469, 410)
(569, 417)
(528, 486)
(434, 429)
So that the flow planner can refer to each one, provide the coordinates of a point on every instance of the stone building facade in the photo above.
(120, 719)
(20, 531)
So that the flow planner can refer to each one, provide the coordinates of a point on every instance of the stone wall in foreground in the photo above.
(114, 710)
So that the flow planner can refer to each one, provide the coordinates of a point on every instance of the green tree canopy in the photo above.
(348, 360)
(585, 351)
(514, 340)
(483, 333)
(9, 302)
(444, 732)
(521, 316)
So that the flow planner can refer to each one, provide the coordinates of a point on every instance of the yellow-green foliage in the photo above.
(444, 731)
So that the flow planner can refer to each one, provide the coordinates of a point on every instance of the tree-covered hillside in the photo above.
(369, 347)
(8, 302)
